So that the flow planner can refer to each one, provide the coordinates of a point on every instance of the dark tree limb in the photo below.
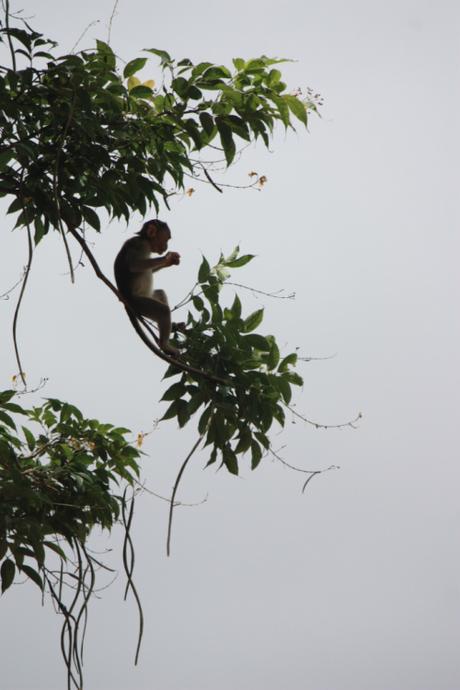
(173, 495)
(18, 306)
(136, 320)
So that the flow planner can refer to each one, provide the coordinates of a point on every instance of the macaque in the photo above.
(134, 269)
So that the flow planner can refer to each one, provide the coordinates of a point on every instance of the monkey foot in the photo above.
(180, 327)
(170, 350)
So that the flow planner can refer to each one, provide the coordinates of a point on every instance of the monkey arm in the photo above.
(137, 265)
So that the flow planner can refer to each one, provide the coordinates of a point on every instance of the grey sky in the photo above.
(356, 584)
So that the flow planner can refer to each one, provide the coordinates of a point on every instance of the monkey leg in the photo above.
(161, 296)
(159, 311)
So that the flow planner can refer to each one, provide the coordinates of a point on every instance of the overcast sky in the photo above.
(354, 585)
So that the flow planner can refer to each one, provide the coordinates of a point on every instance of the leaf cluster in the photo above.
(78, 135)
(234, 418)
(56, 484)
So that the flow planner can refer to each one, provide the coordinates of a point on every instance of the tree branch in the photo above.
(18, 306)
(136, 320)
(173, 495)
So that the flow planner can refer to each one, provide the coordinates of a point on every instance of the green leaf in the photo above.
(212, 457)
(245, 439)
(141, 91)
(283, 108)
(34, 576)
(7, 573)
(134, 66)
(217, 72)
(279, 415)
(293, 378)
(5, 158)
(180, 86)
(239, 63)
(6, 419)
(106, 51)
(40, 230)
(241, 261)
(274, 77)
(236, 307)
(57, 549)
(253, 321)
(195, 402)
(198, 303)
(297, 107)
(172, 410)
(256, 454)
(21, 35)
(262, 438)
(226, 139)
(183, 413)
(3, 548)
(207, 122)
(230, 460)
(6, 395)
(287, 362)
(30, 438)
(204, 420)
(258, 342)
(176, 391)
(274, 356)
(285, 389)
(91, 217)
(205, 270)
(165, 57)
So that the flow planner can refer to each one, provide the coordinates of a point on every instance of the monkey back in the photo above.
(131, 282)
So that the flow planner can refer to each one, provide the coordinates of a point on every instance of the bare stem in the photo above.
(10, 42)
(18, 306)
(173, 495)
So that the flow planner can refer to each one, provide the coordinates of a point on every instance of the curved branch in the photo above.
(211, 180)
(317, 425)
(311, 473)
(129, 567)
(136, 320)
(10, 42)
(173, 495)
(18, 306)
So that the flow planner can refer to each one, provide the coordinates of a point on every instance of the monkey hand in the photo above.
(180, 327)
(172, 259)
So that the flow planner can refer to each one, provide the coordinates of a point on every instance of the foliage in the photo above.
(56, 483)
(79, 135)
(235, 417)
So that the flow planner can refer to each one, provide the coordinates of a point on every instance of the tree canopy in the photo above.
(83, 140)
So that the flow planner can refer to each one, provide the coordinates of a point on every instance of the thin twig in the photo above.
(212, 181)
(316, 359)
(55, 190)
(109, 34)
(173, 495)
(18, 306)
(5, 295)
(10, 42)
(186, 299)
(317, 425)
(178, 504)
(96, 21)
(312, 473)
(129, 569)
(274, 295)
